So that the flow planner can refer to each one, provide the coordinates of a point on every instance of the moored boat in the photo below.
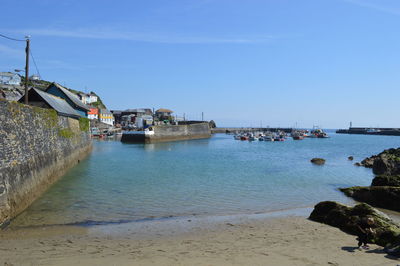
(318, 133)
(296, 135)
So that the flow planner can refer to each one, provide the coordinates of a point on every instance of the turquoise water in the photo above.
(218, 176)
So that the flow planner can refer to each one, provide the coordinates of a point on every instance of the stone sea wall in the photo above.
(181, 132)
(36, 148)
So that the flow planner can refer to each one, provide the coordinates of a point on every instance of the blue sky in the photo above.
(241, 62)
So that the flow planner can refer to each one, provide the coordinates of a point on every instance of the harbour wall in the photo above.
(248, 129)
(180, 132)
(370, 131)
(36, 148)
(165, 133)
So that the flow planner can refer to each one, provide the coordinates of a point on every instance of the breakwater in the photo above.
(248, 129)
(164, 133)
(36, 148)
(370, 131)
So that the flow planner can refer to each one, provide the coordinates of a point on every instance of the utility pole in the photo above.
(27, 68)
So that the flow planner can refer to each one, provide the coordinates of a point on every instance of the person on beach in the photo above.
(365, 232)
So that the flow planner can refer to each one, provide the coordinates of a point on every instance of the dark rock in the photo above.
(386, 180)
(351, 158)
(357, 164)
(318, 161)
(393, 249)
(386, 162)
(346, 218)
(379, 196)
(368, 162)
(212, 124)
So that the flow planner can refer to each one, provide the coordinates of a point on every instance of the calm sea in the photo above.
(218, 176)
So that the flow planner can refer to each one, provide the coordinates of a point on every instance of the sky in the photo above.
(240, 62)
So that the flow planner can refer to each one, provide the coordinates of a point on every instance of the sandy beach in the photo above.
(244, 240)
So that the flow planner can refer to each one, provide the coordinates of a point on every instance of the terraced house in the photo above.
(106, 117)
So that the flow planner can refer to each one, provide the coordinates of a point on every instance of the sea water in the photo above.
(218, 176)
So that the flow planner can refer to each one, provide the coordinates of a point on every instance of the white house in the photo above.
(88, 98)
(8, 78)
(106, 117)
(34, 77)
(93, 113)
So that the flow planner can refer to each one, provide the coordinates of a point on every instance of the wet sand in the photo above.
(244, 240)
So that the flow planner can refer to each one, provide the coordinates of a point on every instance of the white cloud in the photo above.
(109, 34)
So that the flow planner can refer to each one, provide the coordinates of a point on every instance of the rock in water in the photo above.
(368, 162)
(318, 161)
(350, 158)
(379, 196)
(385, 163)
(346, 218)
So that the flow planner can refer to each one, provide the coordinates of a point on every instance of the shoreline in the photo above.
(298, 211)
(200, 219)
(278, 238)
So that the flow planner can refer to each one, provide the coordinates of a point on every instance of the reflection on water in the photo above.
(125, 182)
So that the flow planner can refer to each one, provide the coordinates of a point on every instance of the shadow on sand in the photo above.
(374, 251)
(350, 249)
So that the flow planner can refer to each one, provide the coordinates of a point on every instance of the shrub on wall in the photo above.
(84, 124)
(66, 133)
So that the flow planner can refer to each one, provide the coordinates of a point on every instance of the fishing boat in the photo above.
(318, 133)
(244, 137)
(296, 135)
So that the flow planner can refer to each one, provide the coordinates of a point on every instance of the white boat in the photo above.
(268, 138)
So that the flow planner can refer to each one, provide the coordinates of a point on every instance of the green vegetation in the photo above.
(84, 124)
(99, 104)
(50, 116)
(66, 133)
(14, 108)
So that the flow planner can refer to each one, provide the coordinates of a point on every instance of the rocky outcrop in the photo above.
(212, 124)
(346, 218)
(386, 180)
(386, 197)
(368, 162)
(385, 163)
(384, 191)
(318, 161)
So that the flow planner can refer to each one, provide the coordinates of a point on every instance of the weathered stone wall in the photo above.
(36, 148)
(181, 132)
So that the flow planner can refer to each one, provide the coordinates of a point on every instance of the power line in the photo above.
(34, 62)
(17, 40)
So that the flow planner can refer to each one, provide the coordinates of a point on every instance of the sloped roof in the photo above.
(74, 98)
(60, 105)
(137, 110)
(163, 110)
(105, 112)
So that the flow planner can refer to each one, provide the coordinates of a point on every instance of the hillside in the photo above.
(13, 93)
